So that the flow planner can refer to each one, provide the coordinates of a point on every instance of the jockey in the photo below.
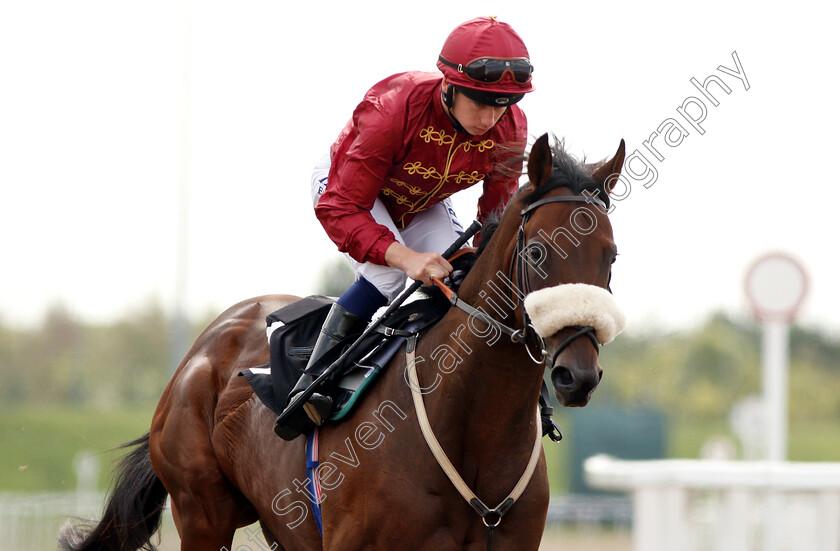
(382, 191)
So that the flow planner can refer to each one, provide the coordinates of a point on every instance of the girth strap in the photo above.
(490, 517)
(393, 332)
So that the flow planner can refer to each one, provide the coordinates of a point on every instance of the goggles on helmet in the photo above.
(494, 99)
(490, 70)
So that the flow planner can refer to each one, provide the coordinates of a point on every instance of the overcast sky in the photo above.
(107, 107)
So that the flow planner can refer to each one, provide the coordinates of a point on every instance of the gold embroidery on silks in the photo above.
(441, 138)
(414, 190)
(400, 199)
(429, 134)
(470, 178)
(425, 172)
(482, 146)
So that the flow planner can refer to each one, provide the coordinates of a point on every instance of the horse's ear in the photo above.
(608, 172)
(540, 162)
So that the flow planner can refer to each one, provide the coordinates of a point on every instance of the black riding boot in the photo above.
(340, 324)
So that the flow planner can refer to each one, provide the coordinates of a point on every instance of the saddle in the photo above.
(294, 331)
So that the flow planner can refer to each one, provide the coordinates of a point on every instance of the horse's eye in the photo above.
(535, 253)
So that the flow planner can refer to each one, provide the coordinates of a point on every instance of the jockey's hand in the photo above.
(417, 266)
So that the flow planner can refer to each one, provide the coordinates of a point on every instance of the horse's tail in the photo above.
(134, 509)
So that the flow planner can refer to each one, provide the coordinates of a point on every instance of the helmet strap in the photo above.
(448, 97)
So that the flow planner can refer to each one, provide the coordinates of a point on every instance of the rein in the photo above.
(492, 517)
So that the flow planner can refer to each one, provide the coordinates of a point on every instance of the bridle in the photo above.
(520, 268)
(527, 335)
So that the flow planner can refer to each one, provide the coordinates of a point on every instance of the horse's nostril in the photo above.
(563, 375)
(600, 376)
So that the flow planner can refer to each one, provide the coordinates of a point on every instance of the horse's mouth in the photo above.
(574, 387)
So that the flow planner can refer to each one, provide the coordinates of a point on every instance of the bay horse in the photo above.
(212, 449)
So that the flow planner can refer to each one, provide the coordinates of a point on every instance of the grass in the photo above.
(814, 441)
(39, 444)
(807, 440)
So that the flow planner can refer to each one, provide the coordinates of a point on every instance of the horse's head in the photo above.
(564, 252)
(557, 241)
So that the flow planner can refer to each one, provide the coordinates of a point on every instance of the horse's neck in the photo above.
(486, 385)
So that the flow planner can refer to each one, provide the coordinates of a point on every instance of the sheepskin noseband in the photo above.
(561, 306)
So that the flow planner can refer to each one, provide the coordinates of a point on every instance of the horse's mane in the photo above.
(568, 172)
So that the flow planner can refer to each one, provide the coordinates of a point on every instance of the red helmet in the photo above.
(487, 56)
